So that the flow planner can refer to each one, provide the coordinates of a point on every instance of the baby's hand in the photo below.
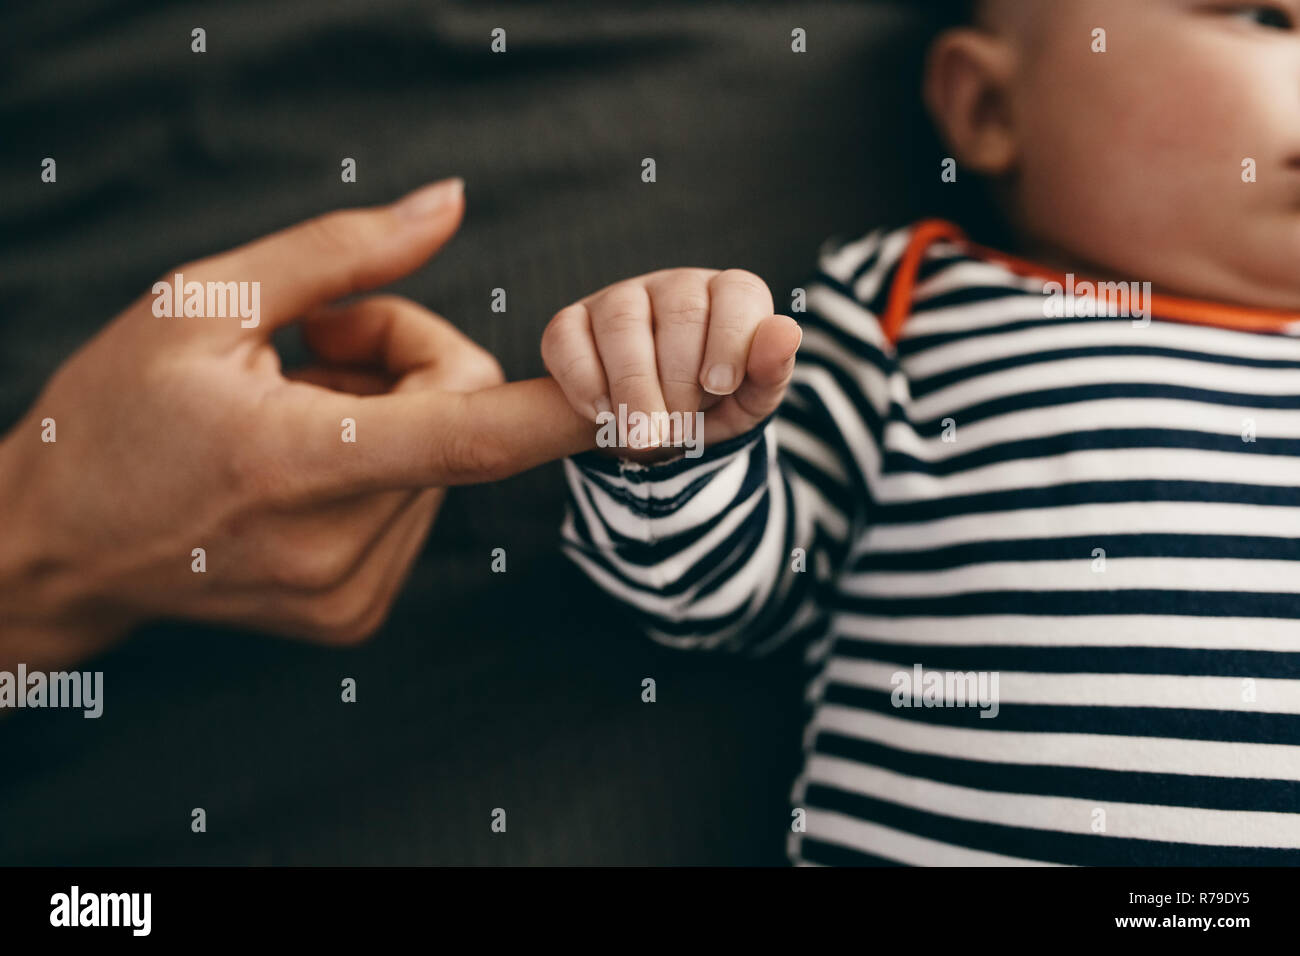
(675, 341)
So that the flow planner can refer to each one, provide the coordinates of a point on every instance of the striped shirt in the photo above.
(1096, 517)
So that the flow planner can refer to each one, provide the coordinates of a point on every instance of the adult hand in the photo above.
(173, 434)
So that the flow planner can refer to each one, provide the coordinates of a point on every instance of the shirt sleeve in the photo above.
(738, 549)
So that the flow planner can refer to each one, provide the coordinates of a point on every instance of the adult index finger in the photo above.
(273, 280)
(332, 445)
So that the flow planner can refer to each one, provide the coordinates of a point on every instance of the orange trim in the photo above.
(1193, 311)
(899, 307)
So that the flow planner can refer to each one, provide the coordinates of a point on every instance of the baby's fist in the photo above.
(670, 344)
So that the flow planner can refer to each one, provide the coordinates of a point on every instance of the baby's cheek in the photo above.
(1121, 141)
(1187, 116)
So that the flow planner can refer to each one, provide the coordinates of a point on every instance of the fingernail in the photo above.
(427, 200)
(600, 406)
(650, 437)
(720, 379)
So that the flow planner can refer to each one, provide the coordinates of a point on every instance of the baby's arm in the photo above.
(731, 549)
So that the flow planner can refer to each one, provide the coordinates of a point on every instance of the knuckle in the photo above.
(564, 320)
(619, 322)
(622, 306)
(472, 455)
(731, 322)
(280, 566)
(632, 379)
(473, 370)
(488, 457)
(682, 379)
(280, 559)
(558, 333)
(567, 358)
(318, 569)
(485, 371)
(574, 369)
(743, 279)
(686, 307)
(552, 336)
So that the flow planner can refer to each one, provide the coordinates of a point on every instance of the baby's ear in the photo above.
(968, 90)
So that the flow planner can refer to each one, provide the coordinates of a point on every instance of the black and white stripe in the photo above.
(1161, 694)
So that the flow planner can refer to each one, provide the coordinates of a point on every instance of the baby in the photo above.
(1045, 560)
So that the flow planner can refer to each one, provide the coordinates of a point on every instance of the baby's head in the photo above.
(1133, 162)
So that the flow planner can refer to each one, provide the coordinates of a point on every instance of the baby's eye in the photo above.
(1264, 15)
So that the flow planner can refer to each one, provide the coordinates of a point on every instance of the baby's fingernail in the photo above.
(601, 406)
(428, 200)
(720, 379)
(647, 437)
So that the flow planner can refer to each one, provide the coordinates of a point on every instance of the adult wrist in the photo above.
(48, 620)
